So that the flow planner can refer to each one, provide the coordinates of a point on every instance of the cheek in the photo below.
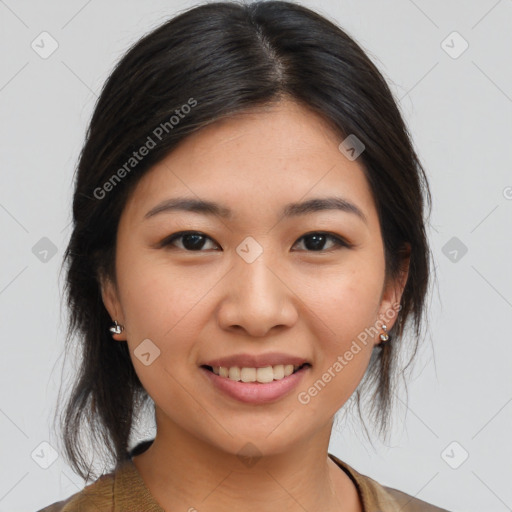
(346, 303)
(161, 305)
(162, 302)
(346, 307)
(347, 300)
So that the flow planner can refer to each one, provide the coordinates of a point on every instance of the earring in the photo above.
(116, 328)
(385, 337)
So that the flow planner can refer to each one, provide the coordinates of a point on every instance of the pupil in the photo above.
(318, 241)
(197, 241)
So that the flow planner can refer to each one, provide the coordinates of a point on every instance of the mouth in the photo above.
(262, 375)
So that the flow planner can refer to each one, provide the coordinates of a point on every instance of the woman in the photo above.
(248, 248)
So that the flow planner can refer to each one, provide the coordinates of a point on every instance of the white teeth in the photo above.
(234, 373)
(288, 369)
(248, 374)
(278, 372)
(263, 375)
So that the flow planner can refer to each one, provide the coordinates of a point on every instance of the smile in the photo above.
(261, 375)
(252, 391)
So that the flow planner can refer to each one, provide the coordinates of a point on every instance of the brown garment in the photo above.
(124, 491)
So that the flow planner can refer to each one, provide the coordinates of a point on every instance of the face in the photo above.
(256, 278)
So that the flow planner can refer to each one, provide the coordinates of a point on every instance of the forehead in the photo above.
(254, 163)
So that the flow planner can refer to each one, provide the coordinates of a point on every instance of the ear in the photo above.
(393, 290)
(110, 297)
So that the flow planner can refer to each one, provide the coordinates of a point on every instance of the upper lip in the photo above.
(256, 361)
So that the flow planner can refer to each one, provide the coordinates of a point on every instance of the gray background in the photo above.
(459, 113)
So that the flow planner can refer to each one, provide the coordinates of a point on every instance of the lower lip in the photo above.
(256, 392)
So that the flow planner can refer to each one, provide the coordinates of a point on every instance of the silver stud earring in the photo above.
(116, 328)
(384, 337)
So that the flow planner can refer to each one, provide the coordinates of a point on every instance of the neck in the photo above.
(183, 472)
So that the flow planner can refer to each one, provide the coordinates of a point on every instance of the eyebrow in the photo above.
(290, 210)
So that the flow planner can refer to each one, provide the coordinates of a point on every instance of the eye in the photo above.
(315, 242)
(195, 241)
(192, 240)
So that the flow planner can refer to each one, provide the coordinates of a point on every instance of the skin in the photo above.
(207, 303)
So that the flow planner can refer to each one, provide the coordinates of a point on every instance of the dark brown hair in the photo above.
(227, 57)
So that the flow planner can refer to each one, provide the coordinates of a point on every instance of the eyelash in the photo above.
(338, 241)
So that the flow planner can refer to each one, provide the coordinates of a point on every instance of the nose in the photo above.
(257, 299)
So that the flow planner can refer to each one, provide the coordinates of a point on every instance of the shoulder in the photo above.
(95, 497)
(376, 496)
(409, 503)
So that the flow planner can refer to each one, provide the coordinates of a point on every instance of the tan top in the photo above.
(124, 490)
